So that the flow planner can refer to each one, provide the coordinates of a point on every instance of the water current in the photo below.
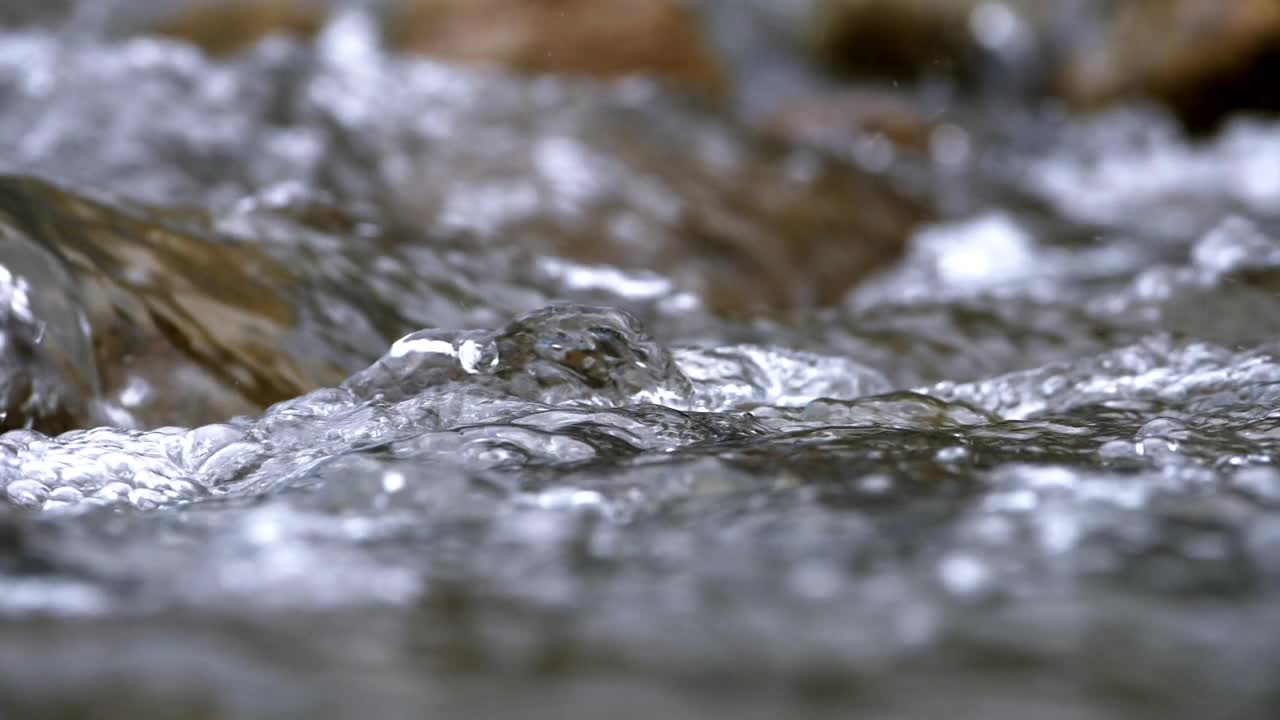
(1029, 470)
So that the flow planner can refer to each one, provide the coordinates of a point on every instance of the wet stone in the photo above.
(968, 42)
(1204, 59)
(657, 38)
(48, 379)
(34, 393)
(166, 307)
(1211, 58)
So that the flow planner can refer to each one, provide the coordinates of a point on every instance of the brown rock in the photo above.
(46, 373)
(899, 39)
(1202, 57)
(225, 26)
(976, 43)
(203, 326)
(772, 246)
(598, 38)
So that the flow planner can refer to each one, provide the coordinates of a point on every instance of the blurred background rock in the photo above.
(1204, 59)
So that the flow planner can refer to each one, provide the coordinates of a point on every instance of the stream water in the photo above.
(1030, 469)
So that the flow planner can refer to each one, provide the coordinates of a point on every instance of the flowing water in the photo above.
(1028, 470)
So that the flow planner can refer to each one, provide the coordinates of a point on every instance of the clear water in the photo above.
(1027, 471)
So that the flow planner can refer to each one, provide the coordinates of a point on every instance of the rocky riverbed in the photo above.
(709, 359)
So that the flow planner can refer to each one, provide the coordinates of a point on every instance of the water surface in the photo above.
(530, 450)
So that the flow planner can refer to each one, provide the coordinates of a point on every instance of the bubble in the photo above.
(1117, 450)
(199, 444)
(229, 463)
(1162, 427)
